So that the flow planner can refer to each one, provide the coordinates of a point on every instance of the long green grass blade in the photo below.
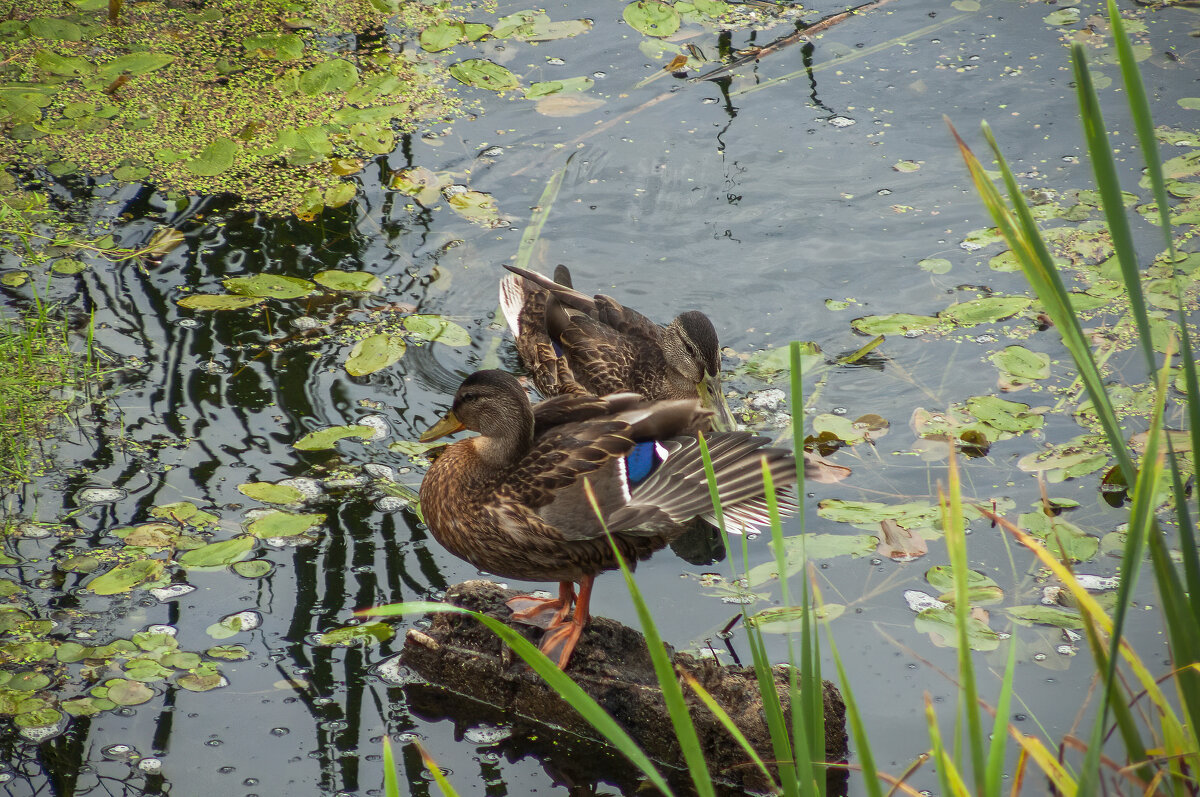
(557, 680)
(391, 783)
(1143, 123)
(727, 721)
(438, 776)
(994, 768)
(532, 232)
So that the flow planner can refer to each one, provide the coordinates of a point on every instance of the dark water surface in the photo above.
(755, 202)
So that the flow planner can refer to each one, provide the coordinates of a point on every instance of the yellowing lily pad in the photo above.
(448, 32)
(437, 329)
(356, 281)
(420, 183)
(125, 577)
(272, 286)
(326, 438)
(374, 354)
(894, 324)
(548, 87)
(218, 554)
(476, 206)
(271, 493)
(986, 310)
(284, 524)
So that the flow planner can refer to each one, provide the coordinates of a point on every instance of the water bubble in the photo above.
(280, 731)
(394, 671)
(187, 323)
(213, 367)
(487, 734)
(555, 61)
(985, 339)
(33, 531)
(213, 743)
(385, 472)
(599, 75)
(709, 101)
(377, 423)
(164, 594)
(247, 620)
(151, 766)
(161, 628)
(407, 736)
(914, 333)
(739, 599)
(310, 488)
(304, 322)
(840, 121)
(839, 410)
(710, 579)
(455, 190)
(492, 152)
(884, 192)
(118, 752)
(391, 503)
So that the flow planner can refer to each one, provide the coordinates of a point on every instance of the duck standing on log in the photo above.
(512, 500)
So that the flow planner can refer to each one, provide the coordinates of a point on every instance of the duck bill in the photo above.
(713, 398)
(449, 424)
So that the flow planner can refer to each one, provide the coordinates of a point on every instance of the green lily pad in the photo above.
(28, 681)
(770, 363)
(271, 493)
(1045, 615)
(651, 18)
(55, 28)
(125, 692)
(217, 301)
(284, 524)
(894, 324)
(214, 159)
(182, 659)
(374, 354)
(942, 577)
(146, 670)
(375, 138)
(1061, 537)
(206, 678)
(790, 619)
(279, 46)
(814, 546)
(1007, 416)
(86, 706)
(124, 577)
(228, 652)
(548, 87)
(322, 439)
(44, 717)
(254, 568)
(69, 652)
(334, 75)
(139, 63)
(356, 281)
(986, 310)
(935, 265)
(413, 449)
(943, 622)
(1020, 364)
(366, 635)
(437, 329)
(484, 74)
(185, 512)
(149, 535)
(341, 194)
(1062, 17)
(67, 265)
(273, 286)
(234, 624)
(218, 554)
(446, 33)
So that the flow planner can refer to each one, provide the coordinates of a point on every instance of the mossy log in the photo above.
(612, 664)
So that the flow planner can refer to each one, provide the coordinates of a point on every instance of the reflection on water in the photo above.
(753, 203)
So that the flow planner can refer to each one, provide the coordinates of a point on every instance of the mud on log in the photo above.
(612, 664)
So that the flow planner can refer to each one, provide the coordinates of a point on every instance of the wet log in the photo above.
(612, 664)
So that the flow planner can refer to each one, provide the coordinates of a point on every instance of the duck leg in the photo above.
(543, 612)
(559, 641)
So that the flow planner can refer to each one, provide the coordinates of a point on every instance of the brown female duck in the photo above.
(512, 501)
(571, 343)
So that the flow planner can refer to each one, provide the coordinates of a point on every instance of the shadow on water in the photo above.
(750, 204)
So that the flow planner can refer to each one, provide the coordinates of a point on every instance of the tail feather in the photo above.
(512, 301)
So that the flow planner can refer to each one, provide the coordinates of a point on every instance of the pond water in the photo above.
(820, 175)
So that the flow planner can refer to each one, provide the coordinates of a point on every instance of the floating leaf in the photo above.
(254, 568)
(134, 64)
(280, 46)
(163, 242)
(548, 87)
(373, 354)
(228, 652)
(55, 28)
(366, 635)
(988, 309)
(484, 74)
(1190, 103)
(1061, 537)
(125, 692)
(284, 524)
(375, 138)
(149, 535)
(217, 301)
(67, 66)
(935, 265)
(419, 183)
(322, 439)
(271, 493)
(1022, 363)
(218, 554)
(357, 281)
(448, 32)
(214, 159)
(651, 18)
(413, 449)
(815, 546)
(564, 105)
(790, 619)
(437, 329)
(1007, 416)
(1045, 615)
(185, 512)
(475, 206)
(124, 577)
(234, 624)
(1062, 17)
(205, 678)
(942, 623)
(894, 324)
(900, 544)
(273, 286)
(334, 75)
(67, 265)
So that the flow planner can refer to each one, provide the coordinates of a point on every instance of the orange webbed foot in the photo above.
(559, 643)
(543, 612)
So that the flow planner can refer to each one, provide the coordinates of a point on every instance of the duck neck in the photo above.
(506, 439)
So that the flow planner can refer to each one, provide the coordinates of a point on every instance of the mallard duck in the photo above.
(512, 500)
(571, 343)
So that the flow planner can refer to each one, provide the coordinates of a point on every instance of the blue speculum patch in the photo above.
(642, 461)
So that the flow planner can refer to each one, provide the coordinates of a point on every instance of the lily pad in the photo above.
(125, 692)
(448, 32)
(374, 354)
(204, 679)
(125, 577)
(484, 74)
(1045, 615)
(1062, 17)
(322, 439)
(420, 183)
(935, 265)
(1022, 363)
(273, 286)
(894, 324)
(218, 301)
(55, 28)
(337, 74)
(814, 546)
(1007, 416)
(366, 635)
(253, 568)
(271, 493)
(790, 619)
(475, 206)
(651, 18)
(228, 652)
(548, 87)
(437, 329)
(355, 281)
(214, 159)
(218, 554)
(942, 622)
(988, 309)
(284, 524)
